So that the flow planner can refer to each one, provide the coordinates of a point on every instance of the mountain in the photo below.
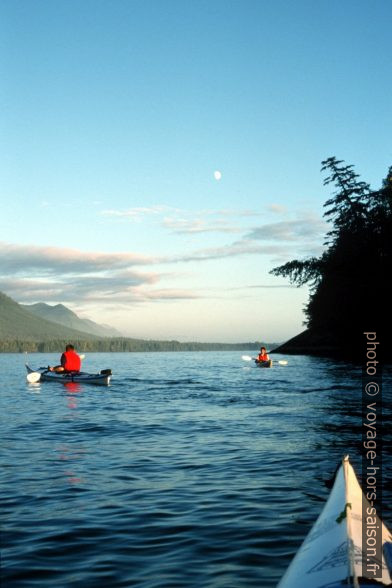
(16, 322)
(21, 330)
(64, 316)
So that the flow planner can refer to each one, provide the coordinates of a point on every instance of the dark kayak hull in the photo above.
(264, 364)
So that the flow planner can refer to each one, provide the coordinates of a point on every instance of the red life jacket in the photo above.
(263, 357)
(72, 361)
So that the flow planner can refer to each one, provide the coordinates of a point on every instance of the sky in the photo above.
(116, 116)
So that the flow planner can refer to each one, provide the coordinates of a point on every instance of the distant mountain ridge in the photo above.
(64, 316)
(23, 331)
(16, 322)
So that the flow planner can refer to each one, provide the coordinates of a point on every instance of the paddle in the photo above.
(34, 377)
(249, 358)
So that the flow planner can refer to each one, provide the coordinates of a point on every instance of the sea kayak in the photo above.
(103, 378)
(262, 364)
(331, 555)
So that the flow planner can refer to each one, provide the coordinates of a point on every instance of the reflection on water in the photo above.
(73, 458)
(72, 454)
(72, 390)
(191, 470)
(34, 387)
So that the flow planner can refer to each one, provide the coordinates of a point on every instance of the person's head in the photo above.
(263, 350)
(69, 347)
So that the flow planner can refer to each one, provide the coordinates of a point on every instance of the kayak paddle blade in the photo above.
(33, 377)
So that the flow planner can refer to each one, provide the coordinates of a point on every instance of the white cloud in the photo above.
(57, 274)
(243, 247)
(137, 212)
(185, 221)
(185, 226)
(88, 290)
(207, 221)
(168, 294)
(62, 274)
(72, 276)
(266, 286)
(294, 230)
(277, 208)
(55, 260)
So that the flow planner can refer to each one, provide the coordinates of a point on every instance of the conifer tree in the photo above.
(350, 285)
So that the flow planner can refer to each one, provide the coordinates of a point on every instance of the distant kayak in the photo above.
(44, 375)
(265, 364)
(331, 555)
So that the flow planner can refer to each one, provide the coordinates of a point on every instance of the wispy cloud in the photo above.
(84, 290)
(307, 227)
(168, 294)
(17, 258)
(293, 230)
(109, 272)
(32, 290)
(138, 212)
(277, 208)
(73, 276)
(239, 248)
(231, 212)
(62, 274)
(185, 226)
(267, 286)
(186, 221)
(208, 221)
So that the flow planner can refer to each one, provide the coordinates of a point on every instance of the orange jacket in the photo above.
(70, 361)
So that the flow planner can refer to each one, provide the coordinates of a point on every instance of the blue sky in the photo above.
(115, 115)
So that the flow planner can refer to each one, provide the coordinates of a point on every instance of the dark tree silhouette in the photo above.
(350, 283)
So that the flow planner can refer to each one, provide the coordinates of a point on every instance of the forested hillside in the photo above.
(64, 316)
(350, 283)
(20, 331)
(18, 323)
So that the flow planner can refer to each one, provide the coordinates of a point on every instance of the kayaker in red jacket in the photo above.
(263, 355)
(70, 361)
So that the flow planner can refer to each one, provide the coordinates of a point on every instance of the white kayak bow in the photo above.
(333, 554)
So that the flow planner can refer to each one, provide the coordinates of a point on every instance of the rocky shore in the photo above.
(312, 342)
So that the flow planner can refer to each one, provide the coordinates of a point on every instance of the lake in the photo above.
(190, 470)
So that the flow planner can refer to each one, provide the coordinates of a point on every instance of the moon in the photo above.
(217, 175)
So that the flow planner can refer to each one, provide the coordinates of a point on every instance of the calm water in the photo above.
(190, 470)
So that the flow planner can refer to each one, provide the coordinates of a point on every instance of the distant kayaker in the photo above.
(263, 355)
(70, 361)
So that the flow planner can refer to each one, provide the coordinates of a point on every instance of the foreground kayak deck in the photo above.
(102, 379)
(331, 555)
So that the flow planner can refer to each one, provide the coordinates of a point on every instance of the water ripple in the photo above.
(188, 471)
